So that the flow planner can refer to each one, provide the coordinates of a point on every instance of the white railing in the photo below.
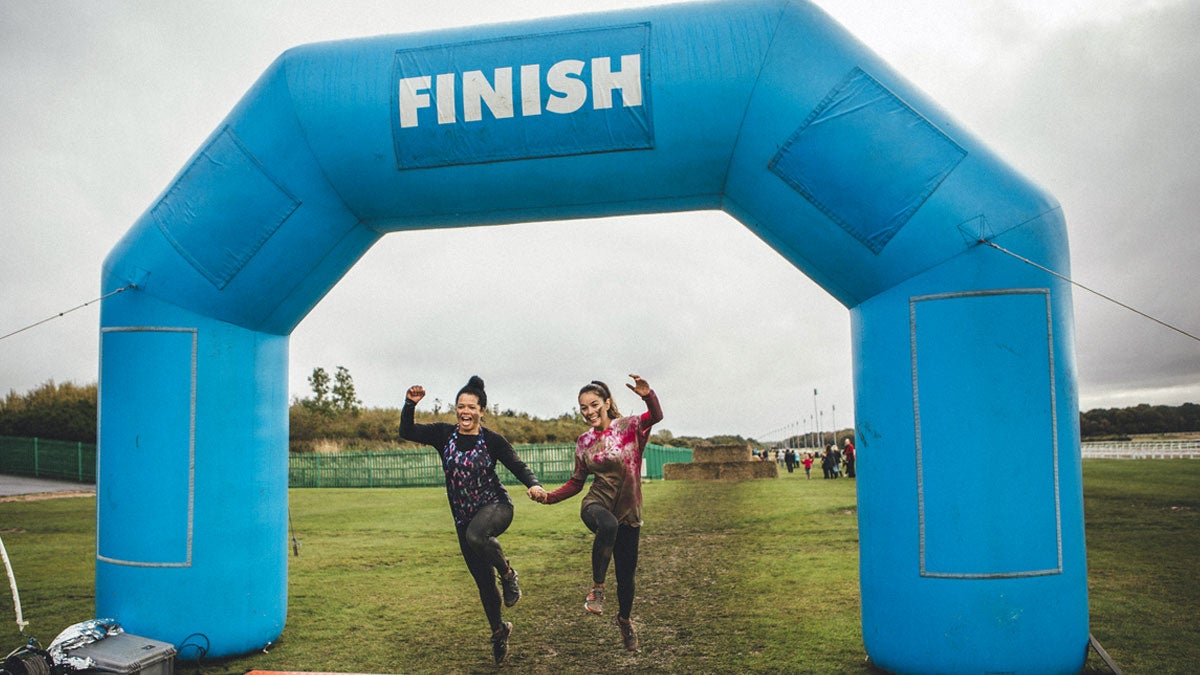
(1183, 449)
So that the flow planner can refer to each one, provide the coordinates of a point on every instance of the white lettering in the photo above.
(628, 80)
(531, 90)
(412, 99)
(445, 98)
(573, 90)
(477, 91)
(563, 91)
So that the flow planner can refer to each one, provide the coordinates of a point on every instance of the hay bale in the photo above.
(721, 462)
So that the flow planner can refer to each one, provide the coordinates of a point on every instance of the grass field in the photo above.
(756, 576)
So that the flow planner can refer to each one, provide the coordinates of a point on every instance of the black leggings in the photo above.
(618, 543)
(483, 554)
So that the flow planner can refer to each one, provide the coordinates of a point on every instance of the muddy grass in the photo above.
(746, 577)
(41, 496)
(723, 585)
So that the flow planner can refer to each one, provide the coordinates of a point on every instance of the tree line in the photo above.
(1113, 423)
(334, 417)
(331, 418)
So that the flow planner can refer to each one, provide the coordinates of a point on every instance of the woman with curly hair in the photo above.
(480, 505)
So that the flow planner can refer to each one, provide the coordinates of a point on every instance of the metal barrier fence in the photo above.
(1182, 449)
(42, 458)
(552, 463)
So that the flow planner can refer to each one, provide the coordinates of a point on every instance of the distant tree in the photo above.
(344, 397)
(1140, 419)
(65, 412)
(321, 401)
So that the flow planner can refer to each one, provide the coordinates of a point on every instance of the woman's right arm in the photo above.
(407, 420)
(409, 429)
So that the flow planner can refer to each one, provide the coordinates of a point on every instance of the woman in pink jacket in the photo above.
(611, 452)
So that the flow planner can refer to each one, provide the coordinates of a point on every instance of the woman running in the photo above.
(611, 451)
(480, 505)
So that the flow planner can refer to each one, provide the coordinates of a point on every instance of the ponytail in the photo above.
(600, 389)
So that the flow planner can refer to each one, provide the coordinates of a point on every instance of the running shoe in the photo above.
(500, 641)
(595, 600)
(512, 591)
(628, 636)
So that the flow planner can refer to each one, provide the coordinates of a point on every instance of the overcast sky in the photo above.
(103, 103)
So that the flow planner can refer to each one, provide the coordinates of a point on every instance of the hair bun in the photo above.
(476, 382)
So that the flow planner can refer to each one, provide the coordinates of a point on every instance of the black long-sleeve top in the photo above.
(469, 462)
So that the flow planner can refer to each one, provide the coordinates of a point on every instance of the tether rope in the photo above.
(1089, 290)
(51, 318)
(794, 425)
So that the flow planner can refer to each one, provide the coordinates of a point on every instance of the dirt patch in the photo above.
(40, 496)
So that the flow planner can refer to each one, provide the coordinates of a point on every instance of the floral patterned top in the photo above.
(469, 463)
(613, 458)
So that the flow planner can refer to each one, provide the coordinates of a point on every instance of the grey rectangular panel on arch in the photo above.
(987, 463)
(866, 159)
(146, 465)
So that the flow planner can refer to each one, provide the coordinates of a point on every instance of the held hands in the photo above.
(537, 494)
(415, 393)
(639, 386)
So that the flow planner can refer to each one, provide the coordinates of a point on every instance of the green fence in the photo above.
(409, 468)
(553, 463)
(41, 458)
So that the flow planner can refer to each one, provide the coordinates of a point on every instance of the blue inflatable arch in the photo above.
(969, 487)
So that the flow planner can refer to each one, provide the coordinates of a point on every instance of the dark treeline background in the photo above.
(67, 412)
(1140, 419)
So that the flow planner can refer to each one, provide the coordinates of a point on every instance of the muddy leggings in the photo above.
(618, 543)
(484, 556)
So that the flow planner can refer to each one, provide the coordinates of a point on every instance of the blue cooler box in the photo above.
(132, 654)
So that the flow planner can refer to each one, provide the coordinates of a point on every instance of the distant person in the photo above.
(848, 456)
(480, 505)
(837, 460)
(807, 462)
(611, 452)
(827, 462)
(789, 459)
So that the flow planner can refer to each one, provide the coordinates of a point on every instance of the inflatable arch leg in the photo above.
(970, 497)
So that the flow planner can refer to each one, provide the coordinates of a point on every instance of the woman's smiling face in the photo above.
(594, 410)
(469, 413)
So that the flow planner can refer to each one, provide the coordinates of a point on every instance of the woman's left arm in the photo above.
(653, 414)
(503, 451)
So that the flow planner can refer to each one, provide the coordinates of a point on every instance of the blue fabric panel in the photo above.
(988, 500)
(222, 209)
(519, 98)
(145, 461)
(866, 159)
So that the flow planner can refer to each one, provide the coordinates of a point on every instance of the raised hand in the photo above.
(639, 386)
(415, 393)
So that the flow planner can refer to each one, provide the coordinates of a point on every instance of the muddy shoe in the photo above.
(595, 600)
(512, 591)
(500, 641)
(628, 635)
